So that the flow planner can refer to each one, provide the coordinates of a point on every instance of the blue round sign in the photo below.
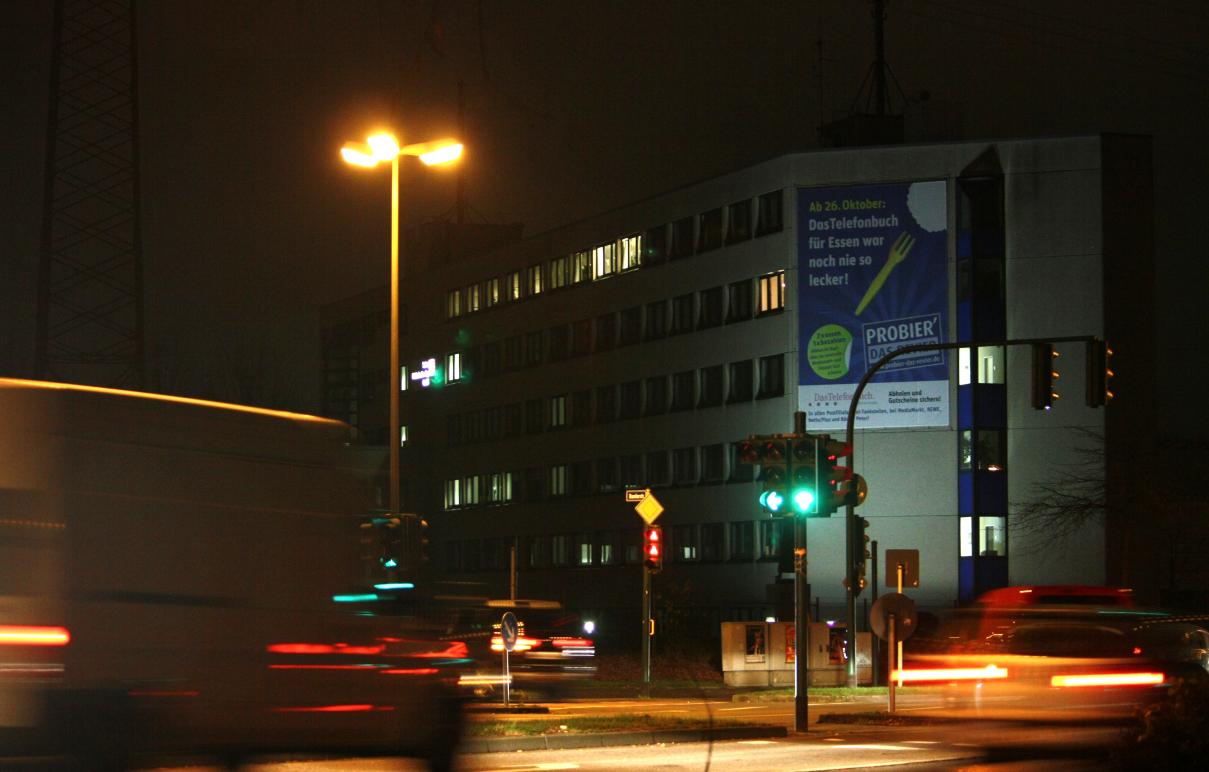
(509, 630)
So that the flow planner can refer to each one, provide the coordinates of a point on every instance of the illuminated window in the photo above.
(772, 293)
(402, 435)
(684, 537)
(558, 412)
(583, 550)
(990, 364)
(453, 494)
(560, 551)
(473, 298)
(491, 293)
(495, 488)
(558, 480)
(534, 280)
(453, 367)
(629, 252)
(560, 272)
(604, 261)
(512, 286)
(963, 367)
(453, 304)
(608, 551)
(510, 484)
(992, 536)
(581, 267)
(470, 491)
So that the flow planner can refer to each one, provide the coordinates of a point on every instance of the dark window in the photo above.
(472, 426)
(606, 475)
(684, 537)
(606, 332)
(654, 246)
(711, 308)
(535, 483)
(453, 430)
(608, 547)
(606, 404)
(739, 377)
(631, 399)
(581, 478)
(493, 425)
(738, 301)
(656, 320)
(632, 539)
(471, 358)
(712, 386)
(738, 222)
(581, 338)
(492, 359)
(682, 314)
(739, 472)
(713, 467)
(631, 326)
(657, 472)
(656, 395)
(713, 541)
(533, 349)
(631, 471)
(512, 420)
(558, 342)
(368, 386)
(772, 377)
(742, 541)
(493, 555)
(454, 562)
(560, 552)
(770, 540)
(987, 283)
(709, 230)
(534, 420)
(683, 390)
(538, 549)
(769, 218)
(682, 238)
(581, 408)
(512, 353)
(684, 466)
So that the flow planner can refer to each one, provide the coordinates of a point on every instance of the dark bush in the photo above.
(1170, 735)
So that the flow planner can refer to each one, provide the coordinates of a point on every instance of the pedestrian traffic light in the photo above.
(652, 548)
(1044, 373)
(804, 478)
(774, 455)
(1098, 373)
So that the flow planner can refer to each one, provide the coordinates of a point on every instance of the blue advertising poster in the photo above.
(873, 278)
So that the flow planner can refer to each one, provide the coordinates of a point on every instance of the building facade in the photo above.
(636, 348)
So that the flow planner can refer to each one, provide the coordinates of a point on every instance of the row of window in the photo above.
(707, 387)
(741, 542)
(706, 465)
(691, 235)
(654, 321)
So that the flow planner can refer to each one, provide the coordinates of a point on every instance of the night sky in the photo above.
(251, 220)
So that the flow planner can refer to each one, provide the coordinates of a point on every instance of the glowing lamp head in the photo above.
(384, 147)
(442, 154)
(358, 154)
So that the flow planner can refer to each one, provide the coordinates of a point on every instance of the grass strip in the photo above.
(844, 691)
(880, 718)
(620, 722)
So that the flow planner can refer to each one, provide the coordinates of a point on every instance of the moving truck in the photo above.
(184, 577)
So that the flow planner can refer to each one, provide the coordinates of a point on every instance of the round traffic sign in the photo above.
(903, 609)
(509, 630)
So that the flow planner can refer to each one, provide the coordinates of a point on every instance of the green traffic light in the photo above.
(772, 500)
(803, 500)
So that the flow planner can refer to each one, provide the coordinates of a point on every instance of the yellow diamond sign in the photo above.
(649, 508)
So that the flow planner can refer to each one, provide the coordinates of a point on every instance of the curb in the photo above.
(609, 739)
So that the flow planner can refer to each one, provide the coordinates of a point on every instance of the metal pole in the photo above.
(801, 630)
(646, 632)
(892, 663)
(899, 651)
(507, 679)
(874, 652)
(395, 376)
(512, 583)
(853, 588)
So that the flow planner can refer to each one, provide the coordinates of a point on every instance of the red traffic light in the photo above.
(652, 549)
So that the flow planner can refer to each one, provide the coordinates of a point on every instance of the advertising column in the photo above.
(873, 278)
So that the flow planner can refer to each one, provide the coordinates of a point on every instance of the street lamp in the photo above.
(384, 147)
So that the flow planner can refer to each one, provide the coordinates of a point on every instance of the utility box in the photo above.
(763, 654)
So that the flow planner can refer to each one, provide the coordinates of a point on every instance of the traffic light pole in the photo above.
(646, 633)
(850, 510)
(801, 622)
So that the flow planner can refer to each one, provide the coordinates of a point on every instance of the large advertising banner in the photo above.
(873, 278)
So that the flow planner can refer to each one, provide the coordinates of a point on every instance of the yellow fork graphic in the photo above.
(898, 253)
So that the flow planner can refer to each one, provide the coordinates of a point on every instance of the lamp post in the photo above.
(383, 147)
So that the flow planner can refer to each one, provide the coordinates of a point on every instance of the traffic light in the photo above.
(774, 460)
(860, 552)
(833, 479)
(652, 548)
(415, 542)
(804, 478)
(1098, 374)
(1044, 373)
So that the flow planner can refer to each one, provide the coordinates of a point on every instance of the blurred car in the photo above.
(553, 646)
